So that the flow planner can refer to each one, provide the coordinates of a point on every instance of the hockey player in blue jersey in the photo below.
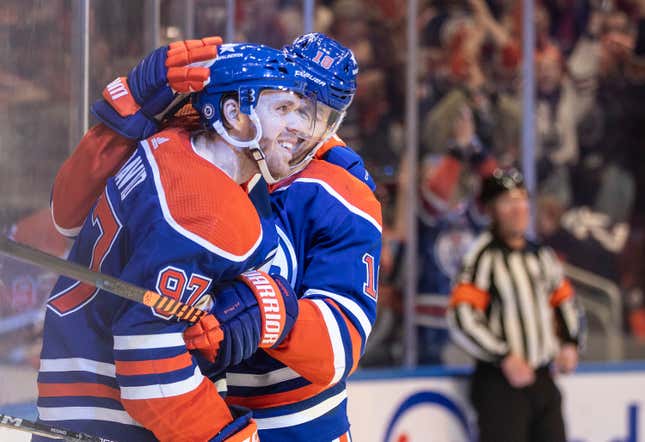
(327, 220)
(329, 224)
(175, 219)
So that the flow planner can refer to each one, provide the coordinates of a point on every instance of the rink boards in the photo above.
(602, 403)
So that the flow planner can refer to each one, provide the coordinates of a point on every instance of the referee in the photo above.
(513, 310)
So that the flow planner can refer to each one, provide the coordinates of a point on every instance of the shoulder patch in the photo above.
(200, 201)
(344, 187)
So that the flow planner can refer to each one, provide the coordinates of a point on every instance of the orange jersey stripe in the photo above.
(201, 198)
(344, 438)
(277, 399)
(197, 415)
(308, 332)
(78, 389)
(130, 368)
(470, 294)
(562, 293)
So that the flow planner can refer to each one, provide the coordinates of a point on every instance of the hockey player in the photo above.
(175, 219)
(329, 223)
(327, 220)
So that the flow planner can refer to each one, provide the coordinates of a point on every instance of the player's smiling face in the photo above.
(287, 120)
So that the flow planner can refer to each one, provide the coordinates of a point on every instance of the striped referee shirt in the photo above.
(512, 301)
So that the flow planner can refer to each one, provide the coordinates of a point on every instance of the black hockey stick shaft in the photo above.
(41, 429)
(163, 303)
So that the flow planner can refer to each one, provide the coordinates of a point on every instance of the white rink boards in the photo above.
(602, 403)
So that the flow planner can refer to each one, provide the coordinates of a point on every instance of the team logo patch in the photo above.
(208, 110)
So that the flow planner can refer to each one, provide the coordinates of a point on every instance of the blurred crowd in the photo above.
(589, 154)
(590, 77)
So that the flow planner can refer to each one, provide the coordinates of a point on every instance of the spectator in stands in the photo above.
(607, 68)
(584, 238)
(372, 123)
(502, 310)
(465, 79)
(557, 139)
(449, 221)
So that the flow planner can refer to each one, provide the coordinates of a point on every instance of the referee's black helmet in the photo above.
(501, 180)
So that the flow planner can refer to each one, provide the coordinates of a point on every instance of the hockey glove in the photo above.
(254, 311)
(129, 105)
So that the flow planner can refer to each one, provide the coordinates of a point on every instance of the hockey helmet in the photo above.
(499, 182)
(330, 70)
(247, 70)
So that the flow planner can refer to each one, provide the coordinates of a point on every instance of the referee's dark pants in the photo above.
(508, 414)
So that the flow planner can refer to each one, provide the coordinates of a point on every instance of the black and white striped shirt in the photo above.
(507, 300)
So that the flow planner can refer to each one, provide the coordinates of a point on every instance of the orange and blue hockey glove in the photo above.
(130, 104)
(256, 310)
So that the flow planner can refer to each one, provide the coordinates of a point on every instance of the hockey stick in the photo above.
(17, 423)
(164, 303)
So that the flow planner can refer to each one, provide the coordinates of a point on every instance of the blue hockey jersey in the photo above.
(168, 221)
(329, 227)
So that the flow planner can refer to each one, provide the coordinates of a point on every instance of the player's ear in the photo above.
(232, 115)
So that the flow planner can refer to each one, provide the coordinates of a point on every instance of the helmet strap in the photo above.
(312, 154)
(252, 145)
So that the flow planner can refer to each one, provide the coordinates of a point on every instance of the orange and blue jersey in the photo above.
(329, 228)
(169, 221)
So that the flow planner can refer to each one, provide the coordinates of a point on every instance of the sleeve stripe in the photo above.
(261, 380)
(469, 294)
(561, 294)
(145, 342)
(335, 338)
(479, 333)
(156, 366)
(570, 318)
(352, 208)
(463, 340)
(77, 364)
(301, 417)
(81, 389)
(71, 232)
(85, 413)
(164, 390)
(482, 272)
(349, 304)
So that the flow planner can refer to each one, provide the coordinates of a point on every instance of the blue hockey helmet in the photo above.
(329, 68)
(246, 70)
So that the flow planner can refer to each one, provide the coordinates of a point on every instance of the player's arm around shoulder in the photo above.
(82, 177)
